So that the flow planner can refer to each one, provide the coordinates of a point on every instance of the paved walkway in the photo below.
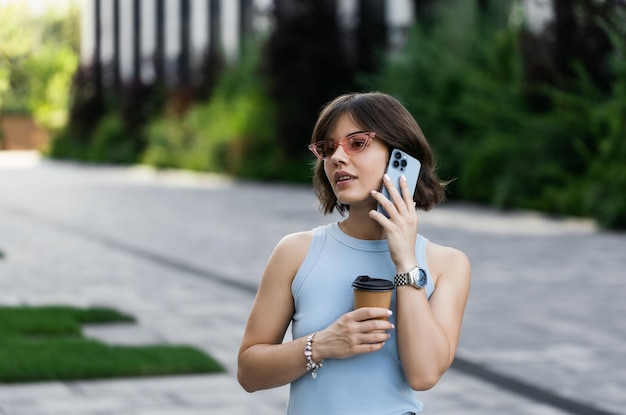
(544, 331)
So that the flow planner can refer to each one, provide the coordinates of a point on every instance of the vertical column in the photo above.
(185, 41)
(399, 19)
(148, 41)
(126, 33)
(172, 41)
(136, 40)
(116, 45)
(347, 11)
(245, 23)
(106, 43)
(199, 21)
(215, 28)
(371, 34)
(87, 38)
(159, 52)
(229, 29)
(97, 59)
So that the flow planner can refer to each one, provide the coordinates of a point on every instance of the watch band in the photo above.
(401, 279)
(416, 278)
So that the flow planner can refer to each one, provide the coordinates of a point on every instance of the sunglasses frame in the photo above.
(334, 144)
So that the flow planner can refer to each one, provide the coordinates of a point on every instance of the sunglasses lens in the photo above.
(356, 144)
(320, 149)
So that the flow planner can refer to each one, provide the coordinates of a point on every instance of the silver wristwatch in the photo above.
(416, 278)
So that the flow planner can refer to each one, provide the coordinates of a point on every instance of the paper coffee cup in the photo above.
(372, 292)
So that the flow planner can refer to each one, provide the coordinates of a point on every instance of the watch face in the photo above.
(421, 278)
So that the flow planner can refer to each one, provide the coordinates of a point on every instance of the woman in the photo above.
(344, 361)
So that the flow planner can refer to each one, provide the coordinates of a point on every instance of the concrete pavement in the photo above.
(544, 331)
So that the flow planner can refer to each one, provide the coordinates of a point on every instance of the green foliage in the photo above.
(38, 55)
(599, 124)
(107, 128)
(465, 85)
(112, 142)
(198, 139)
(233, 132)
(462, 85)
(51, 71)
(45, 343)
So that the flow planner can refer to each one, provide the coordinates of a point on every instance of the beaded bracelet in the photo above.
(308, 352)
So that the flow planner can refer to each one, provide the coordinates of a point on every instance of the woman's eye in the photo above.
(357, 143)
(328, 147)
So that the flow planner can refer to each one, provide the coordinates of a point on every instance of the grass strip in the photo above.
(46, 343)
(54, 320)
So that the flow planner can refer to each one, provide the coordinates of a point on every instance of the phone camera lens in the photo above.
(396, 163)
(403, 163)
(398, 155)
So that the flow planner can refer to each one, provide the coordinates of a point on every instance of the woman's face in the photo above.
(354, 175)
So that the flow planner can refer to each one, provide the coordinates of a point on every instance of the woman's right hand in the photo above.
(357, 332)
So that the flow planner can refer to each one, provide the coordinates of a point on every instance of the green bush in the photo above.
(600, 121)
(38, 55)
(112, 142)
(233, 132)
(462, 85)
(51, 70)
(467, 90)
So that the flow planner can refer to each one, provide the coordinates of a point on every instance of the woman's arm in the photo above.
(264, 361)
(428, 331)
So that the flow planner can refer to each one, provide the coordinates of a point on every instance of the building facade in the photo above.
(142, 40)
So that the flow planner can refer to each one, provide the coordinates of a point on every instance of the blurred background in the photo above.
(524, 101)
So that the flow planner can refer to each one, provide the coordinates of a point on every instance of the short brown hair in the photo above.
(395, 126)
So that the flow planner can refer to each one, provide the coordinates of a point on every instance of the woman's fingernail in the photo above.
(403, 178)
(389, 312)
(386, 176)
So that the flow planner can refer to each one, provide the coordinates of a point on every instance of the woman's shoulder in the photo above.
(296, 240)
(293, 247)
(288, 256)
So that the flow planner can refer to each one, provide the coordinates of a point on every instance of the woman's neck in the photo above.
(359, 225)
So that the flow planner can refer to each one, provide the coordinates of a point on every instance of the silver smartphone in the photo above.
(401, 163)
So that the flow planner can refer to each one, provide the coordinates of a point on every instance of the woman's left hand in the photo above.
(401, 226)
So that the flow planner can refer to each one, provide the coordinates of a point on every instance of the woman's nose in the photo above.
(339, 155)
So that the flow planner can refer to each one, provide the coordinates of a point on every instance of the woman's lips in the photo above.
(343, 179)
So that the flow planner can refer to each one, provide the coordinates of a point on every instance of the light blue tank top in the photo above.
(371, 383)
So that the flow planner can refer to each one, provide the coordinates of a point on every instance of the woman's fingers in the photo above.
(407, 193)
(369, 313)
(396, 197)
(398, 202)
(359, 331)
